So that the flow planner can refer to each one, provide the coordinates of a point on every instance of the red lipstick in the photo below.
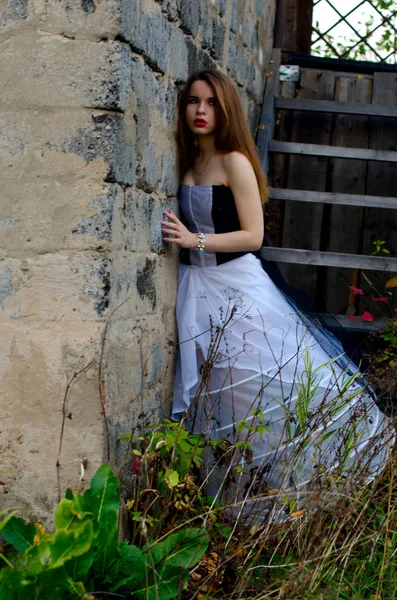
(199, 122)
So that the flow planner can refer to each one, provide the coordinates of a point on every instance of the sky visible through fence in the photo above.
(356, 29)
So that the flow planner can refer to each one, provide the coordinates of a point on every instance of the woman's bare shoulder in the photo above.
(237, 165)
(234, 158)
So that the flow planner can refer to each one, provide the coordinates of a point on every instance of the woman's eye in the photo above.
(212, 102)
(192, 100)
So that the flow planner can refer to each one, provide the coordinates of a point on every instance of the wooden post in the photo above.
(294, 25)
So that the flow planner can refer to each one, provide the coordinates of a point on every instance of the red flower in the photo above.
(382, 299)
(136, 465)
(356, 291)
(367, 316)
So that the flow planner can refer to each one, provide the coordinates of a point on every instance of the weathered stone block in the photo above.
(234, 16)
(155, 126)
(36, 215)
(147, 33)
(248, 26)
(178, 55)
(207, 24)
(54, 73)
(13, 11)
(141, 215)
(232, 56)
(78, 144)
(189, 14)
(88, 19)
(197, 59)
(218, 40)
(241, 67)
(71, 287)
(170, 8)
(106, 137)
(38, 360)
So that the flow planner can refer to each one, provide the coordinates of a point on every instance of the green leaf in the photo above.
(103, 497)
(128, 569)
(168, 563)
(69, 494)
(7, 518)
(70, 513)
(171, 477)
(55, 550)
(19, 534)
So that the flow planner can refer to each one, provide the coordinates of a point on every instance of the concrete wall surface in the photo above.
(87, 289)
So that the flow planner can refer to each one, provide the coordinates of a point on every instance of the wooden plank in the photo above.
(332, 321)
(293, 28)
(302, 228)
(304, 26)
(286, 24)
(335, 107)
(334, 198)
(382, 179)
(330, 259)
(344, 226)
(332, 151)
(307, 61)
(265, 129)
(278, 174)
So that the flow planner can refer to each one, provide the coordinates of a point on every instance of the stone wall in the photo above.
(87, 289)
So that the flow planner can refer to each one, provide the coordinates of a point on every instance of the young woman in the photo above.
(249, 368)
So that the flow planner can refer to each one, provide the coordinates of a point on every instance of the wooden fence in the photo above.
(331, 139)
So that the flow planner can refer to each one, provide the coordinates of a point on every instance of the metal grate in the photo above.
(356, 29)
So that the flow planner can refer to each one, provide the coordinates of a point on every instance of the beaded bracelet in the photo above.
(201, 242)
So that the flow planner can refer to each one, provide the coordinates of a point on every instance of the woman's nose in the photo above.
(201, 108)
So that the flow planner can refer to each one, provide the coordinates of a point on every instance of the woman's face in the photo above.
(200, 109)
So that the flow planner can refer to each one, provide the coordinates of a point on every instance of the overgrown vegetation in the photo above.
(333, 539)
(182, 546)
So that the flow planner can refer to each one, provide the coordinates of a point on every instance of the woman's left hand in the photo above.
(181, 235)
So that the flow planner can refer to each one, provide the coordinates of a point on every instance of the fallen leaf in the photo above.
(391, 283)
(297, 513)
(367, 316)
(356, 291)
(352, 318)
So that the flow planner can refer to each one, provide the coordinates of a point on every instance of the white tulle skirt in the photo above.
(251, 375)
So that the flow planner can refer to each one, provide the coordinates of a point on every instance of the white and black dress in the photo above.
(272, 386)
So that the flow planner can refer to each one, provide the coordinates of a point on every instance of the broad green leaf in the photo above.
(19, 534)
(128, 569)
(8, 516)
(167, 564)
(171, 477)
(79, 566)
(55, 550)
(70, 513)
(182, 550)
(103, 497)
(103, 500)
(69, 494)
(164, 587)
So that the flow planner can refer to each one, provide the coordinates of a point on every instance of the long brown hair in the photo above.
(231, 132)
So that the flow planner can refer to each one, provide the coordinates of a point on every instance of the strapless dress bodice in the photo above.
(209, 209)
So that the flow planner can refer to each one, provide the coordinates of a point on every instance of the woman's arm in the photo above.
(242, 181)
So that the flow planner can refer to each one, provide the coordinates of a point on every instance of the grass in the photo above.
(342, 547)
